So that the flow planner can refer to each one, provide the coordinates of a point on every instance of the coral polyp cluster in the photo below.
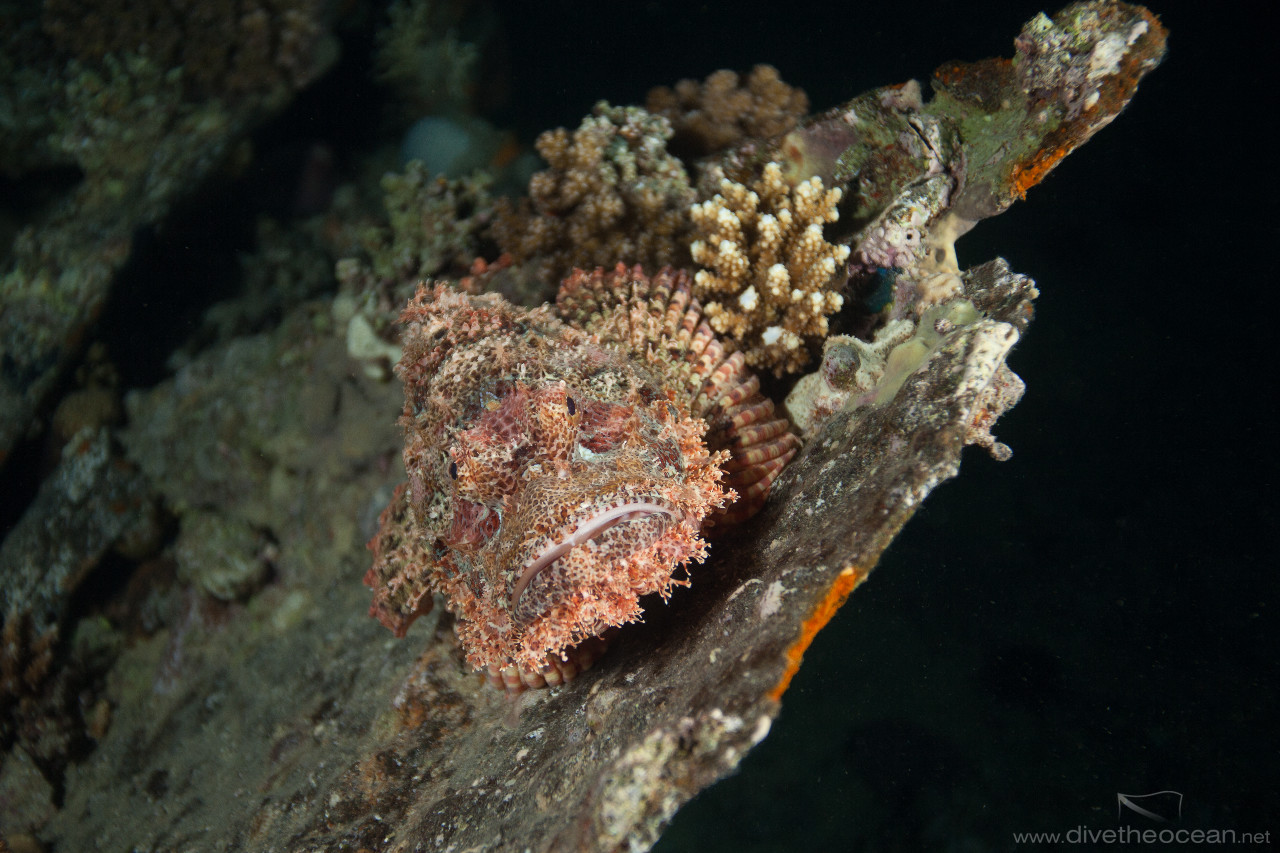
(557, 474)
(771, 279)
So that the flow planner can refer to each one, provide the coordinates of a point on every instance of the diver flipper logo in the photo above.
(1162, 806)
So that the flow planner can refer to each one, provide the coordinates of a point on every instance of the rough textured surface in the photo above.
(94, 502)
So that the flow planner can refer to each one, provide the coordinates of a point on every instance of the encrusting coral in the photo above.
(432, 226)
(723, 110)
(611, 193)
(771, 279)
(559, 473)
(432, 223)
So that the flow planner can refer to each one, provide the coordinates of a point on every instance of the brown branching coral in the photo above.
(771, 280)
(611, 193)
(723, 109)
(224, 46)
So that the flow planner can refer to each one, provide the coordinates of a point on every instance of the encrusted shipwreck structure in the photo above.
(269, 748)
(133, 105)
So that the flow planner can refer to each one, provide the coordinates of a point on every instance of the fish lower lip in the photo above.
(586, 530)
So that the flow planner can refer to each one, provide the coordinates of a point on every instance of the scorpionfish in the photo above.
(562, 463)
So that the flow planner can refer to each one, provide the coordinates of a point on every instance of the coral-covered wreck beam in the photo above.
(1071, 75)
(994, 128)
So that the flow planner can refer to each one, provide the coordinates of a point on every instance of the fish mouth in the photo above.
(587, 529)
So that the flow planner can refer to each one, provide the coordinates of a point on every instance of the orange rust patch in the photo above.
(1026, 177)
(845, 583)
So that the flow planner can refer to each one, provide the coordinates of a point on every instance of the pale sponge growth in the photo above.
(770, 279)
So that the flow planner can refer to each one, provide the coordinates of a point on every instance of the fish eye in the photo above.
(573, 408)
(453, 470)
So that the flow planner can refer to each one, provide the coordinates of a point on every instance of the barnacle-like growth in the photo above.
(770, 279)
(611, 193)
(723, 110)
